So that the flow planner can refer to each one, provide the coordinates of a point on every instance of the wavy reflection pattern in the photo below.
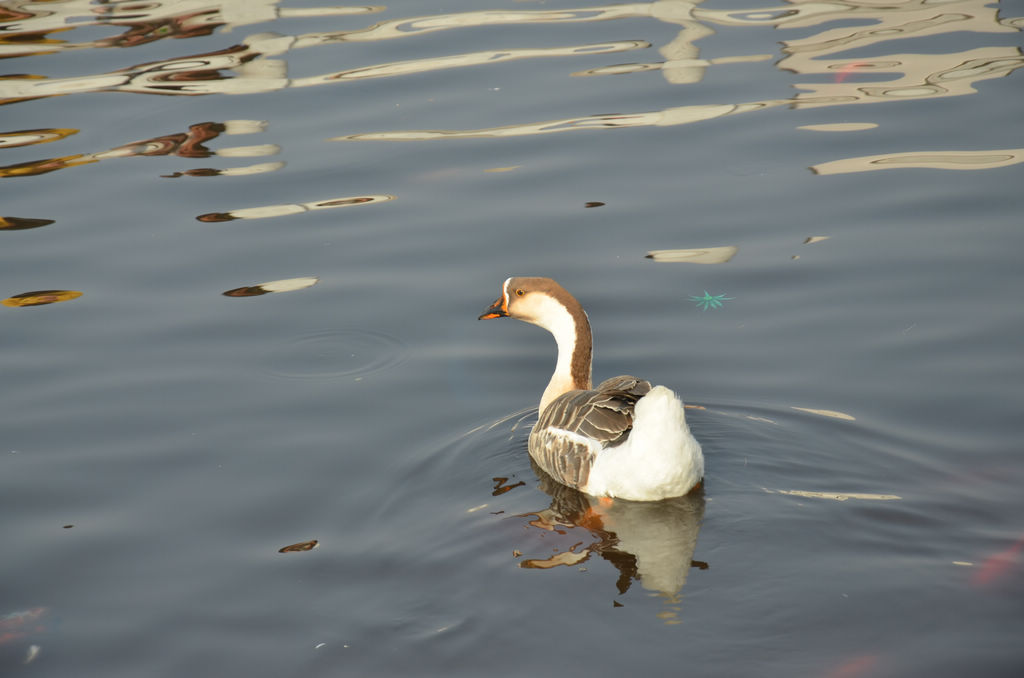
(652, 543)
(252, 66)
(912, 75)
(257, 64)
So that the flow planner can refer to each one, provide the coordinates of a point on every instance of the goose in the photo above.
(624, 439)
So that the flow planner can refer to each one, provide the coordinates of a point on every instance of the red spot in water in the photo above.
(591, 520)
(852, 668)
(997, 566)
(21, 625)
(846, 69)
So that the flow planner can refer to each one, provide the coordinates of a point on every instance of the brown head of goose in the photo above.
(621, 439)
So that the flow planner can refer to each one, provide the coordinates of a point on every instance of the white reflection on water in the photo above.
(31, 137)
(951, 160)
(840, 127)
(706, 255)
(462, 60)
(287, 285)
(280, 210)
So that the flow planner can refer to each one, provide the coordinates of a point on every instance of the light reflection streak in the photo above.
(403, 28)
(30, 137)
(840, 127)
(463, 60)
(669, 117)
(280, 210)
(704, 255)
(949, 160)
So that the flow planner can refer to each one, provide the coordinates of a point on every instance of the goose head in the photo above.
(539, 301)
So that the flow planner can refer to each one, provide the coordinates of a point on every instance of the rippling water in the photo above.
(244, 246)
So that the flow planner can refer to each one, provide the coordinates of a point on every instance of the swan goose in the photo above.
(622, 439)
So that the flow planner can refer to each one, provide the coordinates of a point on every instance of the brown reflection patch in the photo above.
(199, 172)
(253, 291)
(22, 223)
(40, 298)
(566, 558)
(185, 25)
(216, 217)
(29, 137)
(341, 202)
(501, 488)
(301, 546)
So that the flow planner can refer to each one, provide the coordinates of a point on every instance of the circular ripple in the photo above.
(335, 353)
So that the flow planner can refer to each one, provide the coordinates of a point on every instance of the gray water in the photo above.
(856, 387)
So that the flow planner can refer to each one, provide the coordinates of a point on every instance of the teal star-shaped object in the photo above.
(709, 300)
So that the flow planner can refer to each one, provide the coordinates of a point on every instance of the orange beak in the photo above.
(499, 309)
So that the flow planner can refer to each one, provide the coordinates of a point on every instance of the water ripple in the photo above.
(329, 354)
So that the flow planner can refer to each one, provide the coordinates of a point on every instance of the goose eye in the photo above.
(520, 292)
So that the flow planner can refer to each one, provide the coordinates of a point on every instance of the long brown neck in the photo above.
(571, 329)
(582, 353)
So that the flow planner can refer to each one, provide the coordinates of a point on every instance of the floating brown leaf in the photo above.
(301, 546)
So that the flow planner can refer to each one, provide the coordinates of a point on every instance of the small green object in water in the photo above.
(709, 301)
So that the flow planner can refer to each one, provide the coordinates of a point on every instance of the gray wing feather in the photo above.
(603, 415)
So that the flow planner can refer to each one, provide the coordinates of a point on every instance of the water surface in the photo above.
(245, 244)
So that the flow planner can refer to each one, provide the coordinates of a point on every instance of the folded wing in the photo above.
(578, 425)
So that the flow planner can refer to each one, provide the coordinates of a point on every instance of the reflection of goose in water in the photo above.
(622, 439)
(652, 542)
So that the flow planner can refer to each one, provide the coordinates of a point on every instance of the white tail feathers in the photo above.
(660, 458)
